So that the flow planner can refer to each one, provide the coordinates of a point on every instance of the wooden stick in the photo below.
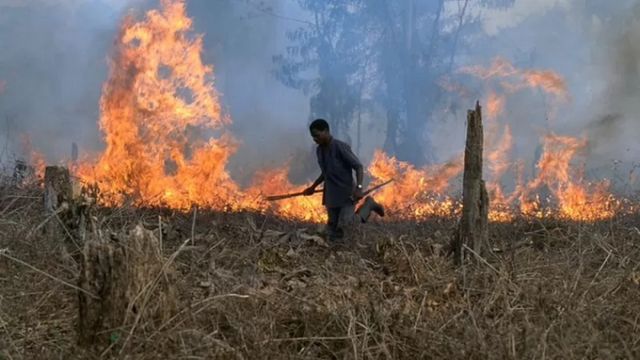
(287, 196)
(301, 193)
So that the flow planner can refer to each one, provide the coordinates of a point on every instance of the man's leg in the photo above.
(369, 205)
(347, 215)
(333, 224)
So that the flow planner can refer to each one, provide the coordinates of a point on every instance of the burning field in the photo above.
(156, 252)
(167, 143)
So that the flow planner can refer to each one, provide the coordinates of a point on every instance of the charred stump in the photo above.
(66, 206)
(126, 283)
(58, 199)
(57, 189)
(473, 227)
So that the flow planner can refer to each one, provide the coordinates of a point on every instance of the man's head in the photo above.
(320, 132)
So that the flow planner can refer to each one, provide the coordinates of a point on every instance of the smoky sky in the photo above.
(53, 62)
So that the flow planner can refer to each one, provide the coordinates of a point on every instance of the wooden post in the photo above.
(125, 280)
(473, 230)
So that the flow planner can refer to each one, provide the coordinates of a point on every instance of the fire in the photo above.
(308, 208)
(418, 193)
(574, 197)
(495, 105)
(577, 199)
(159, 112)
(167, 143)
(158, 102)
(514, 79)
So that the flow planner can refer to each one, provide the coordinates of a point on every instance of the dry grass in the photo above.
(248, 291)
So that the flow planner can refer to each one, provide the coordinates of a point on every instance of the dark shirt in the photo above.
(337, 163)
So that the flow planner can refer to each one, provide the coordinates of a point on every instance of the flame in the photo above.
(418, 193)
(167, 143)
(157, 101)
(577, 199)
(513, 79)
(495, 105)
(499, 164)
(308, 208)
(159, 112)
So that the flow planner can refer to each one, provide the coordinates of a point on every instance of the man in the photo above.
(337, 163)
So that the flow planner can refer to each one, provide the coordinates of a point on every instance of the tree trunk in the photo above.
(473, 230)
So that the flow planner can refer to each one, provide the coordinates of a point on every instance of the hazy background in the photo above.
(53, 63)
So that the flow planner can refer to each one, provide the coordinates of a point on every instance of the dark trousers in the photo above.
(338, 216)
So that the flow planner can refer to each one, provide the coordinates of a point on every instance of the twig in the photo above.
(201, 302)
(193, 226)
(4, 254)
(54, 214)
(480, 258)
(309, 338)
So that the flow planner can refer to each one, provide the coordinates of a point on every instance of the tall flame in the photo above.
(157, 109)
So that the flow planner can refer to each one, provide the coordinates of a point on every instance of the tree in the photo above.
(327, 59)
(393, 51)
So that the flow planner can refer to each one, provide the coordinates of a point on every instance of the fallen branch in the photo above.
(4, 254)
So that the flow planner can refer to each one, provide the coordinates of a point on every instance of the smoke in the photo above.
(52, 66)
(269, 119)
(615, 122)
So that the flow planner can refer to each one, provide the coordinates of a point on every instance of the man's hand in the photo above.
(309, 191)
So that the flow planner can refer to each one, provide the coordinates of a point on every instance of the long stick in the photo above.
(287, 196)
(301, 193)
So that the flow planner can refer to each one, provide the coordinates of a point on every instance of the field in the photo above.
(250, 286)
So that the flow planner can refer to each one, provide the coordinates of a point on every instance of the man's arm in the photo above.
(318, 181)
(311, 189)
(355, 164)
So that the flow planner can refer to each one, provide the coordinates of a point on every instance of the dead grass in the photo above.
(255, 287)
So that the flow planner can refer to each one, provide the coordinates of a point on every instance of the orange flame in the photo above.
(577, 200)
(514, 79)
(418, 193)
(158, 100)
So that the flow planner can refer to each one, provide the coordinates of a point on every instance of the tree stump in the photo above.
(473, 229)
(58, 198)
(57, 188)
(131, 283)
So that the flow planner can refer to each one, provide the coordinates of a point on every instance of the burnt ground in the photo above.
(257, 287)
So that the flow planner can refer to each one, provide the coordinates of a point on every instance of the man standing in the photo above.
(337, 163)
